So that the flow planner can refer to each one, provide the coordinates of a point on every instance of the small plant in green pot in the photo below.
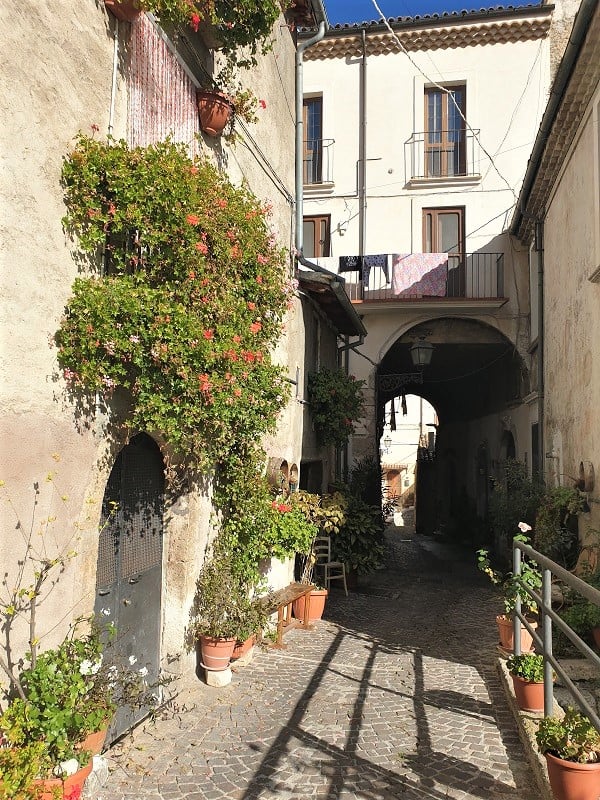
(571, 746)
(527, 671)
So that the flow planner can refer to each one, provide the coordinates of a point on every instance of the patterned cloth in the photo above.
(350, 264)
(369, 262)
(419, 274)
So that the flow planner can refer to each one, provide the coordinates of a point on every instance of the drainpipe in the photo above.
(302, 46)
(113, 87)
(539, 236)
(362, 150)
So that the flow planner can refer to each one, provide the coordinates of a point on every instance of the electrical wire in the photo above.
(448, 93)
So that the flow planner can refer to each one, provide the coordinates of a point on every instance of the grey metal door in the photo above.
(128, 578)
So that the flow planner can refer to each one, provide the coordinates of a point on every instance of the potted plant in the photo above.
(527, 671)
(511, 590)
(359, 542)
(571, 746)
(222, 613)
(335, 400)
(326, 514)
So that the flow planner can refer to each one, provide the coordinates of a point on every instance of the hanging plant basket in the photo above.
(215, 110)
(124, 10)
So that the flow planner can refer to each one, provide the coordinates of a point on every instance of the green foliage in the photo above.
(336, 403)
(326, 514)
(222, 606)
(572, 738)
(186, 319)
(359, 542)
(514, 499)
(556, 534)
(364, 480)
(582, 616)
(529, 666)
(19, 767)
(508, 583)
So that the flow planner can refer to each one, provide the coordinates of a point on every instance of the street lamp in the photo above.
(387, 442)
(421, 353)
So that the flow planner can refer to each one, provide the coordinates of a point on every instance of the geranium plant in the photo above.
(191, 302)
(336, 404)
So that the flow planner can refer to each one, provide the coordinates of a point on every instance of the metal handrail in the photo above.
(548, 616)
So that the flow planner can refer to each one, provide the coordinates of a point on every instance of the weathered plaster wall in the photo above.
(571, 308)
(57, 78)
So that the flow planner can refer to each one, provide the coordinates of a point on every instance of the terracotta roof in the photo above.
(437, 31)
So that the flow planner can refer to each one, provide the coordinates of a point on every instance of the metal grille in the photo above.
(108, 541)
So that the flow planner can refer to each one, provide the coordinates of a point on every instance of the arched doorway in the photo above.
(129, 570)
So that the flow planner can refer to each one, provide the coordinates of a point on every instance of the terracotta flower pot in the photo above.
(507, 636)
(317, 605)
(58, 789)
(126, 10)
(529, 695)
(215, 110)
(241, 648)
(94, 742)
(572, 781)
(216, 653)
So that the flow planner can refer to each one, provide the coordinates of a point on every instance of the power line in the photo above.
(445, 91)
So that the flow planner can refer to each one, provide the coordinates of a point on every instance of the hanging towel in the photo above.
(393, 416)
(419, 274)
(350, 264)
(369, 262)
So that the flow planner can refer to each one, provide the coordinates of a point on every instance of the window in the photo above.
(444, 232)
(312, 116)
(317, 236)
(445, 140)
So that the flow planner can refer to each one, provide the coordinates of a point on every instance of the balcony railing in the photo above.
(470, 275)
(318, 161)
(444, 154)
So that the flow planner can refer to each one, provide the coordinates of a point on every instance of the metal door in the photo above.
(128, 577)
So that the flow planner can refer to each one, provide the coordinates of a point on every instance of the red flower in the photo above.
(221, 203)
(208, 334)
(194, 170)
(237, 391)
(251, 306)
(95, 128)
(255, 327)
(192, 219)
(205, 382)
(262, 104)
(237, 339)
(259, 279)
(201, 247)
(195, 21)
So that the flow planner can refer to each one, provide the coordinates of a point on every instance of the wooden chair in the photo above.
(324, 566)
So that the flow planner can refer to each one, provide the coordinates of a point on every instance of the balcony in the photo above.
(317, 167)
(470, 276)
(452, 155)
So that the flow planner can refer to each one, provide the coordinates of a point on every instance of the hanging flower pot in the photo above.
(215, 110)
(125, 10)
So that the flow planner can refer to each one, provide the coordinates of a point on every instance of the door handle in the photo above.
(134, 579)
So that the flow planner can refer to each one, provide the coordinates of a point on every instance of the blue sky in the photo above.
(340, 11)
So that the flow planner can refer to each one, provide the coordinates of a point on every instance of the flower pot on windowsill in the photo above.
(124, 10)
(215, 110)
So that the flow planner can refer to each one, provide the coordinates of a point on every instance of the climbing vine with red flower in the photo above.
(189, 304)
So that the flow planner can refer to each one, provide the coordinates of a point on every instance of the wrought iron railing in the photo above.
(548, 617)
(444, 154)
(468, 275)
(318, 161)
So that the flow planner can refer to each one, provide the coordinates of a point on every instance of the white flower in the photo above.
(524, 527)
(105, 611)
(143, 671)
(132, 660)
(88, 667)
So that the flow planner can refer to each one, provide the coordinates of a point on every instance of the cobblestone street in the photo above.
(395, 694)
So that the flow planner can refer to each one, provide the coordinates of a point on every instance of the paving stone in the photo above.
(394, 695)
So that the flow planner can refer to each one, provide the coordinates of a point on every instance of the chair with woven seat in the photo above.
(327, 569)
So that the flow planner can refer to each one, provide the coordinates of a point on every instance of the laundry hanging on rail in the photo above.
(350, 264)
(419, 274)
(369, 262)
